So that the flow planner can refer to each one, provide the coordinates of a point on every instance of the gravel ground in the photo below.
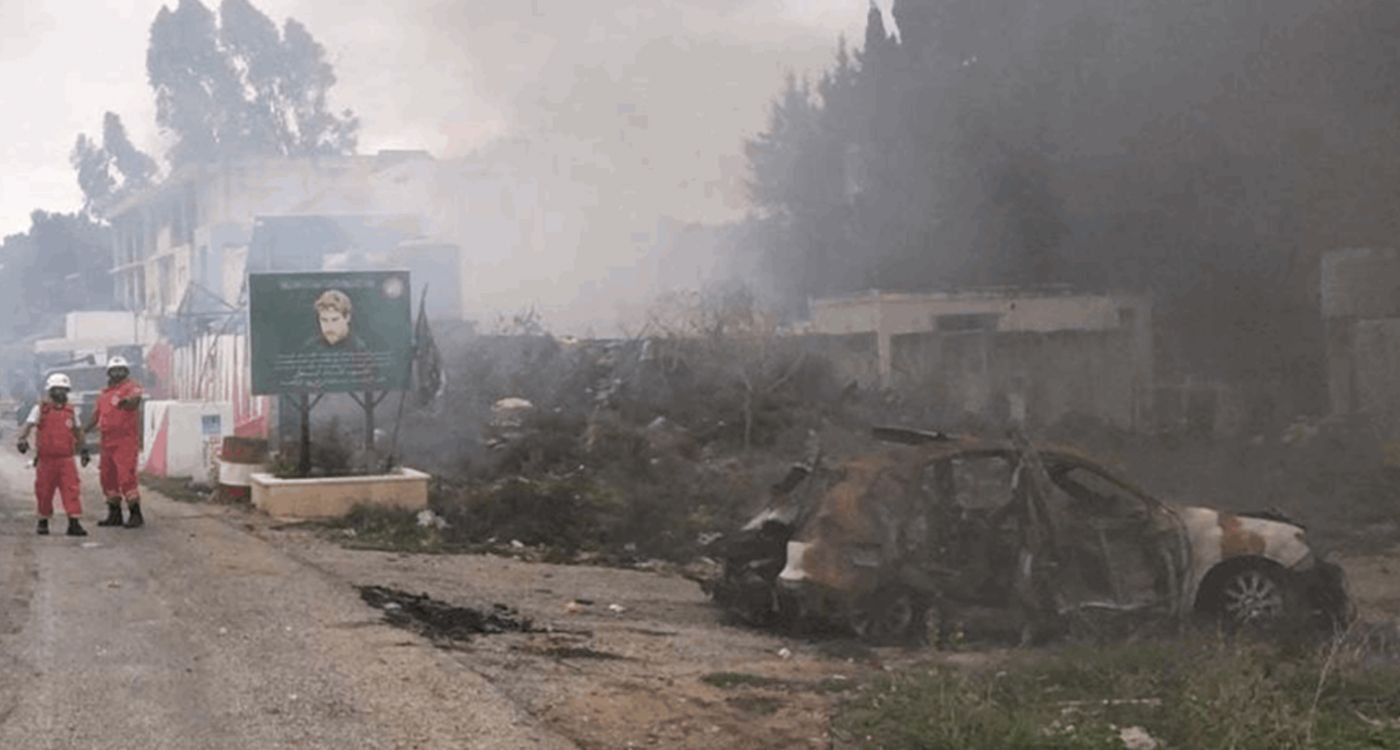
(194, 633)
(215, 627)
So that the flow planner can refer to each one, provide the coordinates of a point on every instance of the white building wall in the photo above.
(888, 315)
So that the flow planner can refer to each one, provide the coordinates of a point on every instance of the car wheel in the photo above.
(1254, 597)
(890, 617)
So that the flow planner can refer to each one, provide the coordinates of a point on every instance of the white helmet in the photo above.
(58, 380)
(116, 362)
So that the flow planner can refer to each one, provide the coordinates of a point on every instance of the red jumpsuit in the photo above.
(120, 429)
(56, 469)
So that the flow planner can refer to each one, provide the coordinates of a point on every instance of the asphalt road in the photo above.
(191, 633)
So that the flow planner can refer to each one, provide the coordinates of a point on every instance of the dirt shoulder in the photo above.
(620, 658)
(629, 658)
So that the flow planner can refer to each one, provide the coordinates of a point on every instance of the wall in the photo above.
(98, 330)
(911, 313)
(1376, 369)
(183, 438)
(1361, 283)
(1022, 375)
(921, 323)
(1360, 295)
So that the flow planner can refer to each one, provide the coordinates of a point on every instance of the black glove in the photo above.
(86, 457)
(23, 446)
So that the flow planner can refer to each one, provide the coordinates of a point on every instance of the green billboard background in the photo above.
(298, 348)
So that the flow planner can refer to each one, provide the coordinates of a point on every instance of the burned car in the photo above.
(1040, 540)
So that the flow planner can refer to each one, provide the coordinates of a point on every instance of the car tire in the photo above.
(1258, 598)
(892, 616)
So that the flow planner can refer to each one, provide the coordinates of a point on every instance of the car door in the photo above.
(1126, 544)
(1091, 544)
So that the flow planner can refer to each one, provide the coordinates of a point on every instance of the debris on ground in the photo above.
(570, 652)
(1137, 738)
(441, 622)
(427, 519)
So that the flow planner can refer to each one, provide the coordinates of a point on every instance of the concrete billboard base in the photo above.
(334, 497)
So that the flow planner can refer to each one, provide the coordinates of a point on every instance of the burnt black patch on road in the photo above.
(439, 621)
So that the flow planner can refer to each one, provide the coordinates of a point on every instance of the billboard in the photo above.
(330, 332)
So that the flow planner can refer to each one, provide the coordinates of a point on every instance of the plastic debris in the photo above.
(427, 519)
(1137, 738)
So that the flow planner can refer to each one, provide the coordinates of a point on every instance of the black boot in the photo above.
(75, 528)
(134, 519)
(43, 527)
(114, 514)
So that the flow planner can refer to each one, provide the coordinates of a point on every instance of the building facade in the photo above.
(182, 251)
(1023, 356)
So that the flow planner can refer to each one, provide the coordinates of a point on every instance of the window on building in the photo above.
(965, 322)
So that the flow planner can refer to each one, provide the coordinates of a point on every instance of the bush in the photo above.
(569, 513)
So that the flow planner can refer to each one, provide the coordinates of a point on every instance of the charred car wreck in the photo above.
(1009, 539)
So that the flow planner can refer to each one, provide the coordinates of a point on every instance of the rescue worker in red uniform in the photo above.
(60, 437)
(118, 417)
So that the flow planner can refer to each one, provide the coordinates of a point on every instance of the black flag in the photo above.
(428, 381)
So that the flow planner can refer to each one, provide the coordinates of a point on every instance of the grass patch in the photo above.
(732, 680)
(1182, 694)
(579, 652)
(833, 685)
(387, 529)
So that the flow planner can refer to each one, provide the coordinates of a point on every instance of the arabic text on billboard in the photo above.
(330, 332)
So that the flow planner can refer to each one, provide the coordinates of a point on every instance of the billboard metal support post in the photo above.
(304, 405)
(369, 402)
(304, 457)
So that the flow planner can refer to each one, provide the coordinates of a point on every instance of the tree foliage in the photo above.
(1205, 153)
(61, 264)
(110, 169)
(234, 85)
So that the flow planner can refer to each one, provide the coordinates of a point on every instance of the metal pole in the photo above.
(370, 403)
(304, 461)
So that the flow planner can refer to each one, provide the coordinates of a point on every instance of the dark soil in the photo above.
(439, 621)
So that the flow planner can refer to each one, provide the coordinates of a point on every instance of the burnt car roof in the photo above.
(930, 445)
(941, 444)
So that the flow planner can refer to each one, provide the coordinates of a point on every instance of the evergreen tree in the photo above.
(236, 86)
(112, 169)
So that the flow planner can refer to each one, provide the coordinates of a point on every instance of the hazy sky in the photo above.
(446, 75)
